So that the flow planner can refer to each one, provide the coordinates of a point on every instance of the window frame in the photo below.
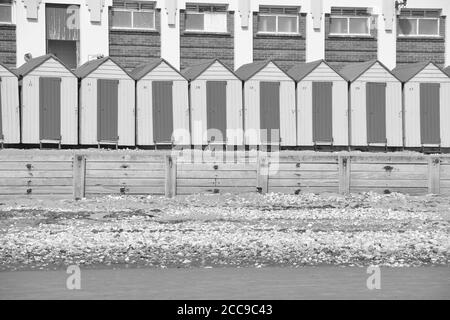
(204, 13)
(10, 5)
(349, 34)
(418, 35)
(132, 11)
(277, 16)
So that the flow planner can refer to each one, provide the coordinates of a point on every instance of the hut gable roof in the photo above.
(407, 72)
(302, 70)
(248, 71)
(5, 70)
(353, 71)
(196, 71)
(90, 66)
(143, 69)
(31, 65)
(447, 70)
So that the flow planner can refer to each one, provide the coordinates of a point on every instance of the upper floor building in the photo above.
(188, 32)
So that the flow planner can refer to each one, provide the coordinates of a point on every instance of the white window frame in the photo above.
(204, 13)
(349, 34)
(438, 35)
(283, 15)
(12, 13)
(132, 18)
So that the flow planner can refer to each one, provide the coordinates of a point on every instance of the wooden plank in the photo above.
(36, 174)
(404, 190)
(388, 158)
(216, 182)
(433, 175)
(302, 183)
(297, 190)
(121, 182)
(303, 166)
(29, 165)
(124, 165)
(124, 174)
(171, 177)
(36, 190)
(101, 190)
(130, 157)
(305, 175)
(389, 175)
(79, 176)
(208, 190)
(389, 167)
(35, 182)
(217, 167)
(36, 157)
(344, 174)
(445, 172)
(262, 175)
(325, 158)
(389, 183)
(216, 174)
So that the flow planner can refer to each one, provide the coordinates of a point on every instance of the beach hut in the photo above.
(215, 104)
(375, 105)
(322, 104)
(9, 107)
(107, 104)
(426, 93)
(269, 104)
(162, 105)
(49, 102)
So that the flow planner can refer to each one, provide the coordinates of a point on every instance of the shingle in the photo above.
(32, 64)
(143, 69)
(249, 70)
(407, 72)
(353, 71)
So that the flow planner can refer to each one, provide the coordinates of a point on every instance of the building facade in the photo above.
(189, 32)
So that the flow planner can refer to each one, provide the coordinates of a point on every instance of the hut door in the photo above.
(270, 111)
(216, 109)
(429, 113)
(162, 111)
(50, 108)
(322, 111)
(107, 110)
(376, 112)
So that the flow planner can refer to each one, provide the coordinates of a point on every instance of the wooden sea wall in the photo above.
(89, 173)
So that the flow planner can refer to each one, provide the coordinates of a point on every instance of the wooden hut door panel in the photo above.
(376, 112)
(430, 113)
(270, 111)
(322, 112)
(50, 108)
(216, 110)
(162, 111)
(107, 110)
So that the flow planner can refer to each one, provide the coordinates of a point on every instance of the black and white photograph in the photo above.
(226, 156)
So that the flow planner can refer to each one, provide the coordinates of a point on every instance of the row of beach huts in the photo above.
(100, 103)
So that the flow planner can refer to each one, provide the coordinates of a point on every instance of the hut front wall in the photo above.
(126, 111)
(69, 103)
(9, 88)
(323, 73)
(145, 110)
(412, 114)
(199, 113)
(252, 127)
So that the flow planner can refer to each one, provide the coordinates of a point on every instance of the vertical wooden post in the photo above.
(344, 174)
(171, 177)
(434, 179)
(262, 178)
(79, 175)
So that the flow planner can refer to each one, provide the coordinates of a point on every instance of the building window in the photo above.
(278, 20)
(419, 23)
(133, 15)
(5, 11)
(206, 18)
(350, 21)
